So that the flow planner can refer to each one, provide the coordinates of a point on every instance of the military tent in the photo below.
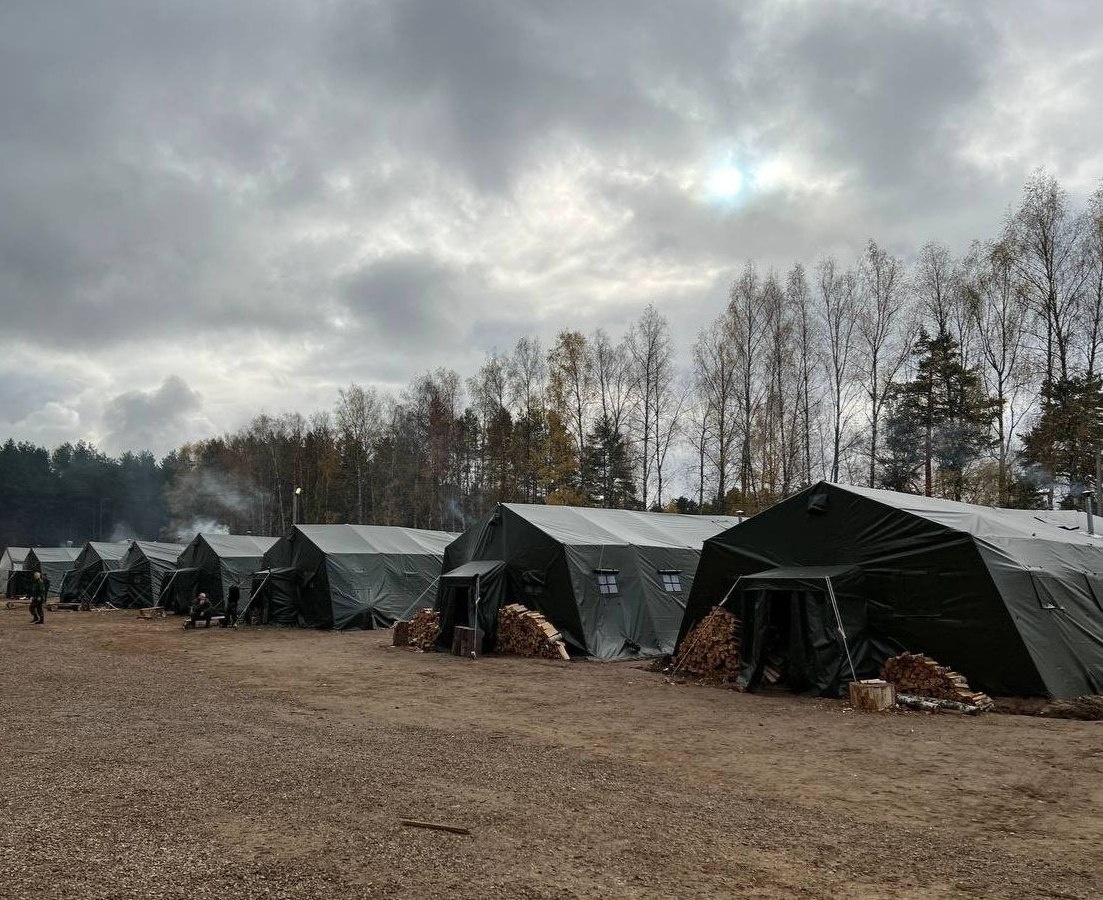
(346, 576)
(138, 579)
(1012, 599)
(53, 562)
(95, 558)
(212, 563)
(612, 581)
(11, 560)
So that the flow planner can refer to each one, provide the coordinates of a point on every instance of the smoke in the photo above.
(209, 502)
(457, 514)
(185, 532)
(122, 532)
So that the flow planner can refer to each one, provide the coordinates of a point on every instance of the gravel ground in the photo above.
(139, 760)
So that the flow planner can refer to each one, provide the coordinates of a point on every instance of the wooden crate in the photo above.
(467, 641)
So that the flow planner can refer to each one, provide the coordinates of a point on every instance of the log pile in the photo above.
(914, 673)
(423, 629)
(523, 632)
(711, 649)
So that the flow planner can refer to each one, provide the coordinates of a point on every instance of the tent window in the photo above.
(1046, 597)
(607, 581)
(672, 581)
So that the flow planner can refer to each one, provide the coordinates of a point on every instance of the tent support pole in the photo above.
(839, 620)
(414, 605)
(165, 587)
(253, 594)
(719, 605)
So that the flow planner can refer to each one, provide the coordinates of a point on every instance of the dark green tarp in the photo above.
(211, 564)
(137, 581)
(274, 598)
(350, 576)
(96, 557)
(1013, 599)
(612, 581)
(53, 562)
(19, 583)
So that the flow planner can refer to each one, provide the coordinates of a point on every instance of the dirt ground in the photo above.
(140, 760)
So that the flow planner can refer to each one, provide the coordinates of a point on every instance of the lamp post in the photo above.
(295, 506)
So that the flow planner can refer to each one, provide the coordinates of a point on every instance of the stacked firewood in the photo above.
(423, 629)
(526, 633)
(711, 649)
(914, 673)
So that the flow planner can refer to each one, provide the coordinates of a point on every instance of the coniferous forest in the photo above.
(976, 377)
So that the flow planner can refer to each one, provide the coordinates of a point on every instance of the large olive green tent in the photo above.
(348, 576)
(11, 562)
(53, 562)
(142, 570)
(95, 558)
(213, 563)
(1012, 599)
(613, 581)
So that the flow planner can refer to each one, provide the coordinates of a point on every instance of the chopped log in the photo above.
(711, 649)
(435, 826)
(919, 675)
(929, 704)
(525, 632)
(872, 695)
(151, 612)
(423, 630)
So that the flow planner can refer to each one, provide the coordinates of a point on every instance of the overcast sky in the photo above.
(213, 207)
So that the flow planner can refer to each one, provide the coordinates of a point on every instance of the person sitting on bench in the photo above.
(201, 609)
(233, 595)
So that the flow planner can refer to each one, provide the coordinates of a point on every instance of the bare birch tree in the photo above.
(838, 303)
(999, 305)
(885, 332)
(360, 420)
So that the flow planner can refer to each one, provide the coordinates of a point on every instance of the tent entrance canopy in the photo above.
(793, 620)
(787, 577)
(472, 594)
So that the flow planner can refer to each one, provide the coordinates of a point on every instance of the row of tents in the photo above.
(828, 583)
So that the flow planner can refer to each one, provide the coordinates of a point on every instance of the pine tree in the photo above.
(1069, 431)
(607, 476)
(943, 413)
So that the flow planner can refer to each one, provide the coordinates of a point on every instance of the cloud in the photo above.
(138, 419)
(277, 201)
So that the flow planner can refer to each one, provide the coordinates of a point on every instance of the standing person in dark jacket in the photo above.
(38, 599)
(233, 596)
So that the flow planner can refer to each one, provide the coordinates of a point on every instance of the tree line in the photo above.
(973, 378)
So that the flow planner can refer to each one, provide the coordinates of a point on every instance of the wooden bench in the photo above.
(51, 605)
(215, 620)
